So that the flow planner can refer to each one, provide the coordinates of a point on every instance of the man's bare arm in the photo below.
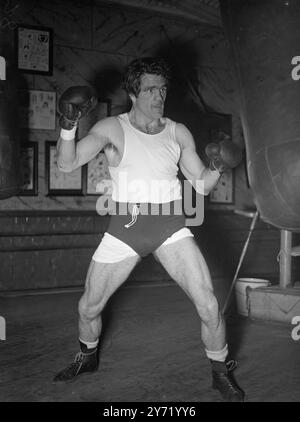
(191, 165)
(70, 156)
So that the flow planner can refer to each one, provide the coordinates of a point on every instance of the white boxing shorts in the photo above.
(112, 249)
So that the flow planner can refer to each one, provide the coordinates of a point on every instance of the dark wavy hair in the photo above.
(138, 67)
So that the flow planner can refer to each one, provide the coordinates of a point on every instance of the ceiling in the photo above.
(204, 11)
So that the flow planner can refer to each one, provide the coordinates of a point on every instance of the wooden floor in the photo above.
(150, 351)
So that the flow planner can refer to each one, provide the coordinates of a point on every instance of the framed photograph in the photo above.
(98, 177)
(29, 163)
(223, 193)
(38, 109)
(58, 182)
(34, 49)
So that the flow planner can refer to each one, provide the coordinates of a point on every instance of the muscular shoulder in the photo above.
(184, 137)
(108, 128)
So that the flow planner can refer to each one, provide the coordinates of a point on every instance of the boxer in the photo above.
(141, 146)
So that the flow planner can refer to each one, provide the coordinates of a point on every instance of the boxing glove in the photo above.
(75, 102)
(224, 155)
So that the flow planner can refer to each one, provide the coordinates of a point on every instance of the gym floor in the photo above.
(151, 350)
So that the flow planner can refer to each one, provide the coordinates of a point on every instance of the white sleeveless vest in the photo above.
(148, 169)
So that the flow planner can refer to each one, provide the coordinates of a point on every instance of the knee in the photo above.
(88, 311)
(209, 307)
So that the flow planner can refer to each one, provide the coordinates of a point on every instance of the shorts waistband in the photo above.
(147, 208)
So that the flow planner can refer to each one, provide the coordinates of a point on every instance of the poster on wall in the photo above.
(29, 164)
(38, 109)
(34, 49)
(97, 173)
(223, 191)
(60, 183)
(98, 177)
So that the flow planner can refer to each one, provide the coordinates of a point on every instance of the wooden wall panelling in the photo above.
(6, 271)
(47, 251)
(52, 251)
(51, 268)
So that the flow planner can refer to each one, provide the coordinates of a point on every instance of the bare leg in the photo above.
(185, 263)
(101, 282)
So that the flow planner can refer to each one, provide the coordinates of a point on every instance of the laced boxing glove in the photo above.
(223, 156)
(75, 102)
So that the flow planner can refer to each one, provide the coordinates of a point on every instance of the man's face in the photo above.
(151, 98)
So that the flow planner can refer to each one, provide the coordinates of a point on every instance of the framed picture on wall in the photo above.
(29, 163)
(97, 174)
(34, 49)
(223, 193)
(58, 182)
(38, 109)
(98, 177)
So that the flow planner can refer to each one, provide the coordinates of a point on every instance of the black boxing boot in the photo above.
(83, 363)
(224, 382)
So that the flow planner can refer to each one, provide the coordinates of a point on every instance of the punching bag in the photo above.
(264, 37)
(10, 163)
(10, 166)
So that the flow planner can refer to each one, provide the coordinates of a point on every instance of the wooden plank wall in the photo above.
(47, 251)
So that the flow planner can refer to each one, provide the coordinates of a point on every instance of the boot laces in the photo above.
(231, 365)
(74, 365)
(78, 357)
